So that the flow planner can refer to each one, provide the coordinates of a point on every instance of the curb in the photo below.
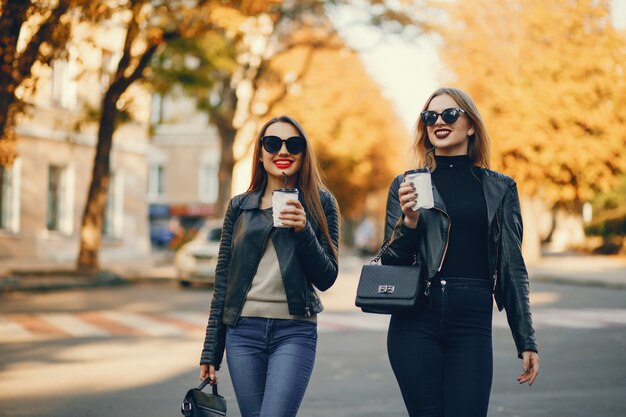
(587, 282)
(58, 280)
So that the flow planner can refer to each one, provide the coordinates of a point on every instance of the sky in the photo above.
(409, 70)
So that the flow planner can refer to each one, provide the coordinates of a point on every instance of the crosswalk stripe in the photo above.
(44, 326)
(353, 321)
(10, 330)
(73, 325)
(198, 319)
(143, 324)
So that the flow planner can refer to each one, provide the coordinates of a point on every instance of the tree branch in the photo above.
(31, 53)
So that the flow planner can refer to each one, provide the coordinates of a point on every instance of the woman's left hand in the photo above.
(531, 368)
(293, 215)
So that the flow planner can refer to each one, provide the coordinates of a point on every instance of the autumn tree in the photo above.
(354, 131)
(548, 77)
(149, 24)
(31, 31)
(241, 83)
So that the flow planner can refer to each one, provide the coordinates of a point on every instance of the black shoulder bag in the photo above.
(203, 404)
(387, 289)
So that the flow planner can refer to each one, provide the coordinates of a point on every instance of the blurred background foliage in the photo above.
(547, 75)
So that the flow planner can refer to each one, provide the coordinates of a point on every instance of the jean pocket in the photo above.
(300, 322)
(240, 320)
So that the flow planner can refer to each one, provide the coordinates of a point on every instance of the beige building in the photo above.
(184, 160)
(43, 195)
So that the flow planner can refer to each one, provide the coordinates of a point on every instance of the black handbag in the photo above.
(203, 404)
(387, 289)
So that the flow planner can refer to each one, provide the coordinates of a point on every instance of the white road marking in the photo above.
(73, 325)
(144, 324)
(12, 331)
(198, 319)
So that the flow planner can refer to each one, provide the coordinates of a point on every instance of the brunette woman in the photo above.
(469, 245)
(265, 304)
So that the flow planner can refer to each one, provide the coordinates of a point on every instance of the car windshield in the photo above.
(214, 235)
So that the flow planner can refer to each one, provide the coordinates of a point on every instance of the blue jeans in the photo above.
(270, 363)
(442, 355)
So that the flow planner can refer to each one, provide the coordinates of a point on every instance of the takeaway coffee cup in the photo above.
(279, 202)
(420, 178)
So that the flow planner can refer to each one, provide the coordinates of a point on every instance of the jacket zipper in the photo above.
(307, 310)
(495, 269)
(445, 249)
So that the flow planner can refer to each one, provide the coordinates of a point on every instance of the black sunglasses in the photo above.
(295, 144)
(449, 116)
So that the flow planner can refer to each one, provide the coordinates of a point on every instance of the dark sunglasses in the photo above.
(449, 116)
(295, 144)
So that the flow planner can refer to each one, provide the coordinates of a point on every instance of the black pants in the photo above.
(442, 355)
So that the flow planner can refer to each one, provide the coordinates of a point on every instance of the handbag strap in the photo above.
(380, 253)
(206, 382)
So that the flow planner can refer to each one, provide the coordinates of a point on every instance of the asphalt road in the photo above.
(133, 351)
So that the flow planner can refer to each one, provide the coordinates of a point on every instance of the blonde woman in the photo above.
(469, 244)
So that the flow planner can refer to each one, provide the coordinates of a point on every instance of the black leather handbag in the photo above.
(387, 289)
(198, 403)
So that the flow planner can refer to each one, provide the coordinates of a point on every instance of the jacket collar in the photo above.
(494, 189)
(438, 200)
(252, 199)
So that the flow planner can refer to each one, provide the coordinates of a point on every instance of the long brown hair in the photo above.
(479, 150)
(309, 179)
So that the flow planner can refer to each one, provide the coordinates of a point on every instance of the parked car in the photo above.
(196, 260)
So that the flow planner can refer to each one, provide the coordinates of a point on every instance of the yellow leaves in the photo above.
(357, 137)
(547, 78)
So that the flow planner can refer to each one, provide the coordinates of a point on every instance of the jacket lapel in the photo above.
(438, 200)
(494, 190)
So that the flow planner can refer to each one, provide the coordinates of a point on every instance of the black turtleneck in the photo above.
(459, 186)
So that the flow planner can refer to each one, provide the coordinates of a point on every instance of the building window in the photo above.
(156, 113)
(63, 84)
(156, 182)
(60, 199)
(113, 211)
(209, 182)
(10, 198)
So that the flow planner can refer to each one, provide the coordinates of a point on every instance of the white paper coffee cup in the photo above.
(279, 202)
(420, 178)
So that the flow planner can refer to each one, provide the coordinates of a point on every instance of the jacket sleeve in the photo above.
(215, 337)
(403, 247)
(319, 262)
(513, 275)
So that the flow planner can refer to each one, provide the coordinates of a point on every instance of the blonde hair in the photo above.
(479, 149)
(309, 179)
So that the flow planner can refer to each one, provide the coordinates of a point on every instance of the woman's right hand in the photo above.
(208, 371)
(407, 195)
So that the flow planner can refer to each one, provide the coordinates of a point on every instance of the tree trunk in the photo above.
(11, 20)
(225, 173)
(91, 227)
(222, 118)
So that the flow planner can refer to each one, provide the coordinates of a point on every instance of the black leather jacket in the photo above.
(306, 259)
(430, 239)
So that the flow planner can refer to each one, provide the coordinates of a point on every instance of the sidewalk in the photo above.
(598, 270)
(607, 271)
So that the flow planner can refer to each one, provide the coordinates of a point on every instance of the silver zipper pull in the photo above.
(427, 289)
